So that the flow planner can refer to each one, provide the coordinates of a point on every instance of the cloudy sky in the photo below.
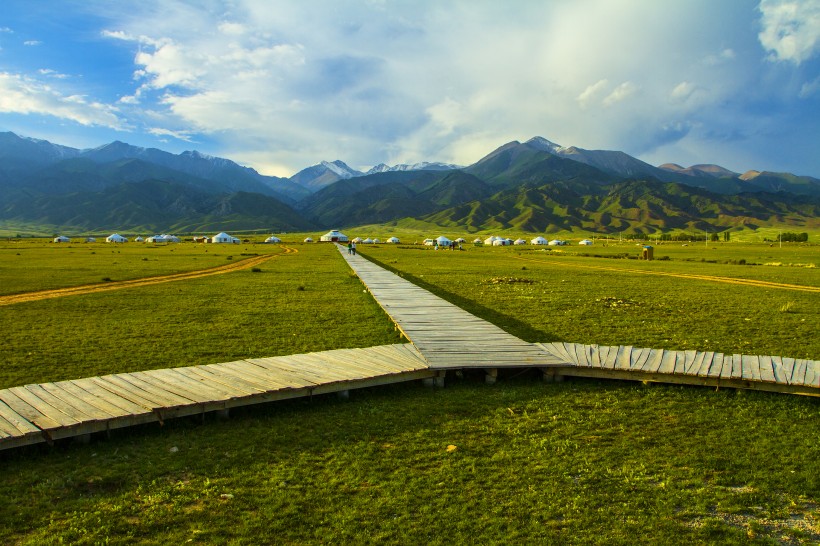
(280, 85)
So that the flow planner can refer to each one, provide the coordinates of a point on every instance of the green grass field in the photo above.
(579, 462)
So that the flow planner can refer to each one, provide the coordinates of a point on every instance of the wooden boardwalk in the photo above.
(442, 336)
(446, 335)
(50, 411)
(765, 373)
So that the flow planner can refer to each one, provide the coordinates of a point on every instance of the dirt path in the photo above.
(711, 278)
(237, 265)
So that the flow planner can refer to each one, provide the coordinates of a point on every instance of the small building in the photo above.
(490, 241)
(139, 239)
(585, 242)
(170, 238)
(61, 239)
(539, 241)
(273, 240)
(224, 238)
(519, 242)
(368, 241)
(116, 238)
(308, 239)
(156, 239)
(443, 241)
(334, 236)
(500, 241)
(557, 242)
(393, 240)
(429, 242)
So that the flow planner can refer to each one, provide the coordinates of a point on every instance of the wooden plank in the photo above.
(80, 395)
(275, 366)
(728, 364)
(691, 364)
(789, 366)
(66, 403)
(224, 385)
(653, 363)
(639, 362)
(170, 383)
(780, 373)
(19, 422)
(809, 379)
(30, 413)
(667, 362)
(737, 366)
(623, 359)
(680, 363)
(751, 364)
(107, 396)
(238, 378)
(799, 374)
(704, 363)
(716, 366)
(595, 361)
(766, 369)
(117, 385)
(254, 374)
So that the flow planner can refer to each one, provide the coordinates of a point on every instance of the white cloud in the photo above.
(179, 135)
(722, 57)
(809, 89)
(32, 42)
(620, 93)
(790, 29)
(52, 74)
(6, 29)
(592, 93)
(21, 95)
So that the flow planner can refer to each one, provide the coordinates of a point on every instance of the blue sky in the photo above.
(281, 85)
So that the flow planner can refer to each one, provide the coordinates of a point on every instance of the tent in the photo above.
(116, 238)
(393, 240)
(156, 239)
(334, 236)
(138, 239)
(443, 241)
(491, 240)
(170, 238)
(273, 239)
(308, 239)
(376, 241)
(501, 242)
(520, 242)
(539, 241)
(477, 240)
(557, 242)
(585, 242)
(62, 239)
(461, 240)
(368, 241)
(224, 238)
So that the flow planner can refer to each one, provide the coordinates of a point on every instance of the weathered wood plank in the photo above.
(20, 422)
(30, 413)
(780, 373)
(799, 375)
(737, 366)
(766, 368)
(691, 364)
(94, 387)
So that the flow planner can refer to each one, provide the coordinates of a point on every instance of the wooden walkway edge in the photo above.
(50, 411)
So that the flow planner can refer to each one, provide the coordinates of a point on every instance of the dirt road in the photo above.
(711, 278)
(237, 265)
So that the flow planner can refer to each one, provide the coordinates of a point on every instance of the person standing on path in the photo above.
(350, 248)
(353, 248)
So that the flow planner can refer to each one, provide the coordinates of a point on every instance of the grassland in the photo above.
(580, 462)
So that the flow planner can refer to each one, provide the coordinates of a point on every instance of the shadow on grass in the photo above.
(507, 323)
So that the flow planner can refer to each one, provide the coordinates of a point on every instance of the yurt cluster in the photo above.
(334, 236)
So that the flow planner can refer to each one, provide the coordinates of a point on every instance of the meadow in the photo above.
(579, 462)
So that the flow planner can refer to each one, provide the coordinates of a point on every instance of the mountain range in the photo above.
(534, 186)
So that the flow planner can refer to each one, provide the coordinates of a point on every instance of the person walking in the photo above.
(353, 248)
(350, 248)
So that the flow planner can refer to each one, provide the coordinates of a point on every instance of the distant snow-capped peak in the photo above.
(422, 166)
(340, 168)
(545, 145)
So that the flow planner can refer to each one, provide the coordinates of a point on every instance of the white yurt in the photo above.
(477, 240)
(491, 240)
(443, 241)
(376, 241)
(556, 242)
(334, 236)
(539, 241)
(585, 242)
(116, 238)
(308, 239)
(223, 238)
(429, 242)
(367, 241)
(519, 242)
(394, 240)
(139, 239)
(170, 238)
(273, 239)
(500, 242)
(62, 239)
(461, 240)
(156, 239)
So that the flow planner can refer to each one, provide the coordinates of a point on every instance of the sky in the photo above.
(281, 85)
